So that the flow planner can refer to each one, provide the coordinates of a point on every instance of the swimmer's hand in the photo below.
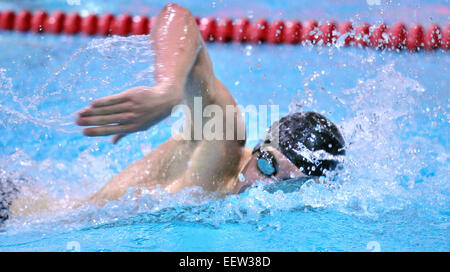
(133, 110)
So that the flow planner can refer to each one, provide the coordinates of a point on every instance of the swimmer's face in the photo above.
(269, 165)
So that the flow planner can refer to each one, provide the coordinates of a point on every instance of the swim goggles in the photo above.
(266, 162)
(268, 165)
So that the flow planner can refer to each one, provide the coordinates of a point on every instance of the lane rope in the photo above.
(241, 30)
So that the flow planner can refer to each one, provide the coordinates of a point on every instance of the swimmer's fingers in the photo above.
(117, 137)
(109, 130)
(110, 100)
(99, 120)
(112, 109)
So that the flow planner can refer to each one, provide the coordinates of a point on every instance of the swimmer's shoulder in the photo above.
(233, 185)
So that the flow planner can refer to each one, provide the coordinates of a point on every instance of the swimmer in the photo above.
(308, 144)
(302, 145)
(8, 192)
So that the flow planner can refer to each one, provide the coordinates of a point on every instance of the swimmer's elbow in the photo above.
(181, 15)
(176, 9)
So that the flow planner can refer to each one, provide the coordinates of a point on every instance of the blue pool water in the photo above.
(393, 108)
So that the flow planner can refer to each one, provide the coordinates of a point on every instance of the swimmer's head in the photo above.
(302, 144)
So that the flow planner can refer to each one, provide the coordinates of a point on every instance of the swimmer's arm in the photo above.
(177, 44)
(145, 172)
(211, 161)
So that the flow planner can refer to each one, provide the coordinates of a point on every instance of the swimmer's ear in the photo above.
(117, 137)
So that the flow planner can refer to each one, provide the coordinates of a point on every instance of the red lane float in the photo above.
(207, 27)
(72, 24)
(432, 37)
(445, 44)
(22, 21)
(122, 25)
(55, 22)
(328, 30)
(362, 35)
(105, 23)
(258, 31)
(140, 26)
(293, 32)
(275, 32)
(397, 36)
(327, 33)
(89, 24)
(310, 32)
(224, 30)
(346, 28)
(377, 36)
(240, 30)
(7, 20)
(38, 21)
(414, 39)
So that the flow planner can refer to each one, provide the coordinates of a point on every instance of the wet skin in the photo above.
(183, 71)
